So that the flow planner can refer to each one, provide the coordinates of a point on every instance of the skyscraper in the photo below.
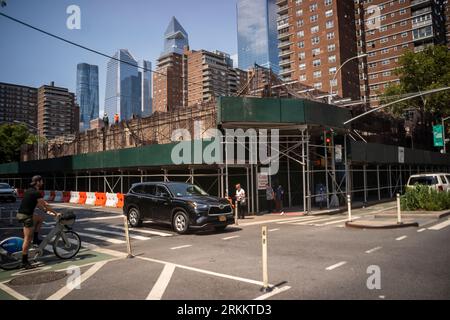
(257, 34)
(122, 95)
(87, 93)
(168, 83)
(145, 80)
(175, 38)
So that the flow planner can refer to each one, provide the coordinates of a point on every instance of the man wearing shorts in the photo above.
(32, 222)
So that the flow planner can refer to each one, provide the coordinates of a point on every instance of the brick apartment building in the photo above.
(386, 29)
(57, 114)
(314, 39)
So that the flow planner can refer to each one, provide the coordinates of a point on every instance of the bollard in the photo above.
(265, 287)
(399, 216)
(236, 213)
(349, 206)
(127, 237)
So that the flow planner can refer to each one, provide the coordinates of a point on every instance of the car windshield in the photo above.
(4, 186)
(185, 190)
(423, 180)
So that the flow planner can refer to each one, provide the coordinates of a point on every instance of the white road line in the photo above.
(333, 222)
(212, 273)
(318, 220)
(306, 218)
(421, 230)
(373, 250)
(181, 247)
(100, 218)
(272, 293)
(440, 226)
(276, 229)
(265, 222)
(401, 238)
(95, 236)
(228, 238)
(162, 234)
(337, 265)
(161, 284)
(12, 292)
(117, 233)
(58, 295)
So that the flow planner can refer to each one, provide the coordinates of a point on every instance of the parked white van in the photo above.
(437, 181)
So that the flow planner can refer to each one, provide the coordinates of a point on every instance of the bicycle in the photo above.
(66, 244)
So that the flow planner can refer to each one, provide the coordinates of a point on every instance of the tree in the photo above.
(418, 72)
(12, 137)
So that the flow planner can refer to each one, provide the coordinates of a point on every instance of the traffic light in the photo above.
(328, 138)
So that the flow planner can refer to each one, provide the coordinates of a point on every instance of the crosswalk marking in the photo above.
(306, 218)
(314, 221)
(337, 265)
(132, 236)
(98, 237)
(440, 226)
(333, 222)
(157, 233)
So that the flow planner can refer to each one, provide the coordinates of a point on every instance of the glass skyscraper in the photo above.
(123, 89)
(87, 94)
(145, 80)
(175, 38)
(257, 34)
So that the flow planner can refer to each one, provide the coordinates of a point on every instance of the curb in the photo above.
(414, 215)
(389, 226)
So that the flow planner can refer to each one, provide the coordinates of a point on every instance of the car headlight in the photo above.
(197, 206)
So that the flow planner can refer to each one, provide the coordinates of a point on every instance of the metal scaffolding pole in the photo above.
(401, 179)
(288, 177)
(65, 180)
(76, 182)
(378, 182)
(221, 183)
(303, 173)
(347, 171)
(252, 171)
(308, 169)
(326, 169)
(365, 183)
(248, 184)
(89, 183)
(121, 182)
(390, 180)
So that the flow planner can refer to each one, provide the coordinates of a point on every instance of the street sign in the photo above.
(401, 155)
(438, 137)
(263, 180)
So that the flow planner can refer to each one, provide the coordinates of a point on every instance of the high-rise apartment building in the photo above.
(123, 89)
(145, 81)
(386, 29)
(87, 94)
(58, 115)
(257, 34)
(18, 103)
(316, 38)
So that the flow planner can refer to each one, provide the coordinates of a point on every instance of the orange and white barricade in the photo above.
(47, 195)
(58, 196)
(111, 200)
(74, 197)
(100, 199)
(82, 198)
(90, 198)
(120, 198)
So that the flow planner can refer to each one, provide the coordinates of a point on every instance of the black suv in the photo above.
(181, 205)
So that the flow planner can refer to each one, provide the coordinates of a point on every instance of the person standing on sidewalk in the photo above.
(241, 201)
(279, 196)
(270, 195)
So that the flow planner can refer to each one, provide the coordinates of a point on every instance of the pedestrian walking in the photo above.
(241, 201)
(279, 196)
(270, 196)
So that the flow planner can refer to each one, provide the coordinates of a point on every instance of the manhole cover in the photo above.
(37, 278)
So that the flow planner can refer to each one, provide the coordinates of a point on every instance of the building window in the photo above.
(315, 40)
(330, 24)
(299, 12)
(315, 29)
(329, 13)
(314, 18)
(384, 40)
(403, 23)
(373, 76)
(386, 74)
(384, 51)
(328, 2)
(372, 54)
(300, 23)
(331, 47)
(316, 63)
(382, 29)
(313, 7)
(302, 66)
(300, 34)
(317, 74)
(403, 11)
(301, 44)
(332, 59)
(372, 65)
(316, 52)
(332, 70)
(302, 77)
(385, 62)
(405, 34)
(301, 55)
(330, 35)
(318, 85)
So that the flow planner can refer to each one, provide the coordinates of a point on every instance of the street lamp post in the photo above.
(38, 140)
(337, 71)
(443, 132)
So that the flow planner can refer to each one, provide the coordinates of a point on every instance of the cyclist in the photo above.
(32, 222)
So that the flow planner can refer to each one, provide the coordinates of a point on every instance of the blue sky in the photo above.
(30, 58)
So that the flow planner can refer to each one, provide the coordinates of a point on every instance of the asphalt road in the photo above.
(304, 262)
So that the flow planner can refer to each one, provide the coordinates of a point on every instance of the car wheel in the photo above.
(220, 228)
(180, 222)
(134, 217)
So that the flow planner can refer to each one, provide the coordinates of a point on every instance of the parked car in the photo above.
(181, 205)
(7, 193)
(437, 181)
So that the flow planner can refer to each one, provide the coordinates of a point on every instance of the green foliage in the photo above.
(12, 137)
(422, 197)
(418, 72)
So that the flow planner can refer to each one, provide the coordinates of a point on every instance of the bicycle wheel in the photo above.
(67, 250)
(9, 263)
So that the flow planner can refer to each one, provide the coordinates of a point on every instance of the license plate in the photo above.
(222, 218)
